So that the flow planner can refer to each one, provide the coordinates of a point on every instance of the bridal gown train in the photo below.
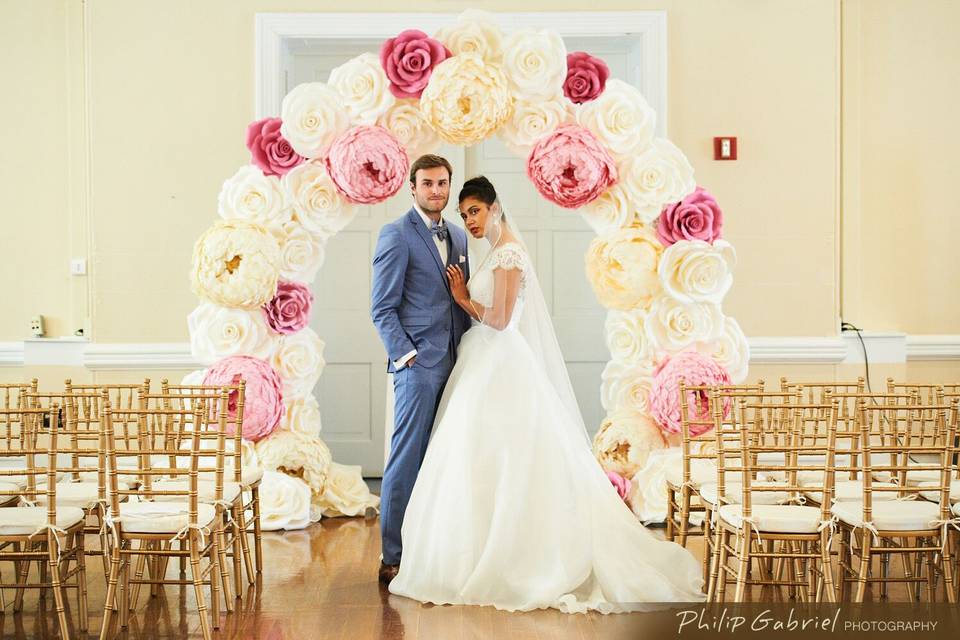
(510, 508)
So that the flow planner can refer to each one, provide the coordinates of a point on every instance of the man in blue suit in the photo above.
(420, 326)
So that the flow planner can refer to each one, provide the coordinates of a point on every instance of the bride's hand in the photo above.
(458, 287)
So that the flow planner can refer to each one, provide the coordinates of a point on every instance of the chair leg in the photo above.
(22, 573)
(79, 543)
(55, 583)
(743, 540)
(722, 563)
(684, 523)
(221, 543)
(241, 552)
(216, 578)
(714, 563)
(257, 533)
(671, 511)
(864, 566)
(112, 579)
(134, 596)
(197, 576)
(947, 561)
(826, 564)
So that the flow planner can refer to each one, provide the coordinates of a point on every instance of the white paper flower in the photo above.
(658, 176)
(363, 87)
(253, 197)
(621, 119)
(284, 502)
(697, 271)
(302, 415)
(194, 377)
(299, 455)
(610, 212)
(531, 120)
(474, 32)
(624, 441)
(235, 264)
(648, 488)
(299, 361)
(405, 121)
(345, 493)
(731, 351)
(535, 63)
(218, 332)
(622, 267)
(301, 252)
(675, 325)
(627, 338)
(625, 387)
(313, 116)
(317, 204)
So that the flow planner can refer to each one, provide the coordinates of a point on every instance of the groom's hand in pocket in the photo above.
(410, 362)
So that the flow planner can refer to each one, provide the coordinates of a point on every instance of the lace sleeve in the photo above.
(509, 256)
(508, 263)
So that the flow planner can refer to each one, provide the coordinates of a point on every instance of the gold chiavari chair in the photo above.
(50, 534)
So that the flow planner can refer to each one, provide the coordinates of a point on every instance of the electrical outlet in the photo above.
(36, 326)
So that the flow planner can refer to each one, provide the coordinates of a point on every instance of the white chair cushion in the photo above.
(934, 496)
(956, 508)
(20, 521)
(775, 518)
(846, 490)
(162, 517)
(76, 494)
(701, 471)
(733, 491)
(206, 490)
(891, 515)
(9, 487)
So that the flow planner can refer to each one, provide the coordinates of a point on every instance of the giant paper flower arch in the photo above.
(658, 262)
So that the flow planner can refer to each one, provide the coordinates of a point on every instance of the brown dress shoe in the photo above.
(388, 572)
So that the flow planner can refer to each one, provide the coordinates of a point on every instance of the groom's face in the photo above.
(432, 189)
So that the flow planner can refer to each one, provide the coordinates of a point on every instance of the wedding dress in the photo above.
(510, 508)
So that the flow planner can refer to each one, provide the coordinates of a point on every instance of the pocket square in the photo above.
(463, 259)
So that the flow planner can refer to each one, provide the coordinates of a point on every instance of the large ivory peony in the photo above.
(622, 268)
(235, 264)
(466, 99)
(299, 455)
(624, 441)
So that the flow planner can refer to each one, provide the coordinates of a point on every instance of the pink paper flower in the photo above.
(621, 484)
(289, 311)
(367, 164)
(694, 369)
(696, 217)
(409, 59)
(570, 167)
(271, 151)
(586, 77)
(263, 396)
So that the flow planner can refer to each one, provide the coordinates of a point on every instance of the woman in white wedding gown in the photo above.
(510, 507)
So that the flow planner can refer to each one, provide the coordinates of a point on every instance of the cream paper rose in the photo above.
(218, 332)
(625, 387)
(622, 268)
(466, 99)
(301, 252)
(624, 441)
(235, 264)
(363, 87)
(302, 415)
(535, 63)
(345, 493)
(253, 197)
(407, 124)
(627, 338)
(610, 212)
(731, 351)
(674, 325)
(531, 120)
(284, 502)
(317, 204)
(301, 456)
(474, 32)
(298, 359)
(313, 117)
(648, 489)
(697, 271)
(658, 176)
(621, 119)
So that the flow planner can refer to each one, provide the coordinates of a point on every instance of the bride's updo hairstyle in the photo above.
(481, 189)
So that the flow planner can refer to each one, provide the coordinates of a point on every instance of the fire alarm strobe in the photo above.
(725, 148)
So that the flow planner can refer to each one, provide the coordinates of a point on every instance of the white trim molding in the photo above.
(933, 347)
(11, 354)
(796, 350)
(129, 356)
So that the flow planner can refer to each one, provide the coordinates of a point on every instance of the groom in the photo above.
(420, 326)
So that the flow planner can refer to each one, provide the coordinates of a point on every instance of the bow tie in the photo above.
(440, 230)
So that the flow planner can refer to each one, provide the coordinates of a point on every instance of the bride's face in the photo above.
(475, 214)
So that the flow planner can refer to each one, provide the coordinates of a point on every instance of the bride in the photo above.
(510, 508)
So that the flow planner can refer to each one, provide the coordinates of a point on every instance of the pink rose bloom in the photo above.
(289, 311)
(409, 59)
(621, 484)
(263, 396)
(367, 164)
(696, 217)
(271, 151)
(570, 167)
(586, 77)
(695, 369)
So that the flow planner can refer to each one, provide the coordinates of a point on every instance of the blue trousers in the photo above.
(417, 392)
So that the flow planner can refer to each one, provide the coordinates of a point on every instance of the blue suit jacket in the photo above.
(411, 305)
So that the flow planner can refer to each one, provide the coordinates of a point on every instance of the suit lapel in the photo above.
(427, 238)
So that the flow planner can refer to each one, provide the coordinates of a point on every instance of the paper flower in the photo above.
(673, 325)
(263, 395)
(302, 415)
(622, 268)
(625, 387)
(532, 120)
(586, 77)
(363, 87)
(535, 63)
(696, 370)
(475, 32)
(289, 311)
(621, 119)
(299, 455)
(609, 212)
(648, 487)
(731, 350)
(298, 359)
(367, 164)
(570, 168)
(235, 264)
(466, 99)
(627, 338)
(405, 121)
(251, 196)
(697, 271)
(218, 332)
(301, 252)
(624, 441)
(194, 377)
(284, 502)
(312, 117)
(696, 217)
(269, 150)
(317, 204)
(621, 484)
(409, 59)
(345, 493)
(658, 176)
